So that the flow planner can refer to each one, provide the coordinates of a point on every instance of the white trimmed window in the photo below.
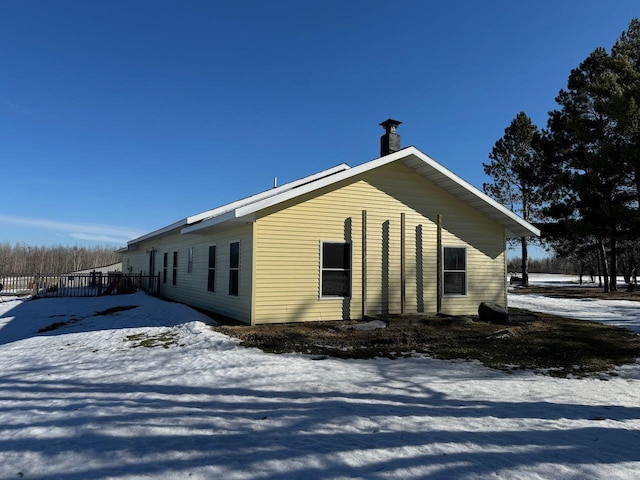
(165, 266)
(211, 273)
(174, 276)
(335, 270)
(190, 260)
(454, 274)
(234, 268)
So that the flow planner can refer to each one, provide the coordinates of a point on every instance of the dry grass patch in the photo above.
(543, 343)
(164, 340)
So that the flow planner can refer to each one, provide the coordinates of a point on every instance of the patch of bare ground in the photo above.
(546, 344)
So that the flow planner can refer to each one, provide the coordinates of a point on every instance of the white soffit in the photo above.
(169, 228)
(452, 183)
(412, 158)
(266, 194)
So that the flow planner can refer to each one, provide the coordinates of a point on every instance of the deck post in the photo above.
(364, 264)
(403, 278)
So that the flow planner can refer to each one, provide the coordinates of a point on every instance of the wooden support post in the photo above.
(439, 265)
(403, 279)
(364, 264)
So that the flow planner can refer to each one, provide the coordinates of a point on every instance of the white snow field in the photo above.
(78, 402)
(620, 313)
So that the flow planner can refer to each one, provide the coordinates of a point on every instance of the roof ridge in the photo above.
(214, 212)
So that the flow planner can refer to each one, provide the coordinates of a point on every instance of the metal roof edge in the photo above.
(475, 191)
(291, 190)
(160, 231)
(209, 222)
(323, 182)
(266, 194)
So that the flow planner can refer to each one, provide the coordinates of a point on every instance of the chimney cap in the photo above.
(390, 124)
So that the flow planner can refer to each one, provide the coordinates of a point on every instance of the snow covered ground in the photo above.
(621, 313)
(79, 402)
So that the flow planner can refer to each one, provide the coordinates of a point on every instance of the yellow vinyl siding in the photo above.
(287, 249)
(191, 288)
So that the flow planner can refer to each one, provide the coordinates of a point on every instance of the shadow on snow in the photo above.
(254, 433)
(52, 316)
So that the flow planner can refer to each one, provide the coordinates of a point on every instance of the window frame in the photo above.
(234, 278)
(165, 266)
(190, 260)
(464, 272)
(348, 270)
(174, 269)
(211, 280)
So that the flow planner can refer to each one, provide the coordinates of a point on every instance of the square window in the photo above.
(454, 275)
(335, 270)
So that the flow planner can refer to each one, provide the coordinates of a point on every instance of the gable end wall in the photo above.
(287, 249)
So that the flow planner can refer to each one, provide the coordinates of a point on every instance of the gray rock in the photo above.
(492, 313)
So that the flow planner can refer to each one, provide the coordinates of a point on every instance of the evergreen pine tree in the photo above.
(515, 169)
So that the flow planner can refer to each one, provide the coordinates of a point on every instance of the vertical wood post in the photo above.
(403, 279)
(439, 273)
(364, 264)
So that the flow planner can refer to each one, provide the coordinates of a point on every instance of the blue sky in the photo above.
(120, 117)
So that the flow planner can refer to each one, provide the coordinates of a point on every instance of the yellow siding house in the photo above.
(398, 234)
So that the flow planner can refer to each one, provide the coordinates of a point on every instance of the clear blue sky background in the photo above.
(120, 117)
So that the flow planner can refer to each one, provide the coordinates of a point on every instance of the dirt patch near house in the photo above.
(543, 343)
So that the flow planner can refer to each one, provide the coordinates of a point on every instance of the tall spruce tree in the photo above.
(625, 106)
(515, 169)
(592, 149)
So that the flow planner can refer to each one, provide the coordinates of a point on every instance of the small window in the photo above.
(174, 278)
(211, 278)
(165, 266)
(454, 274)
(234, 268)
(336, 270)
(152, 261)
(190, 260)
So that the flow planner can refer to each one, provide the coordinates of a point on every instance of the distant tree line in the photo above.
(578, 180)
(584, 266)
(553, 264)
(25, 259)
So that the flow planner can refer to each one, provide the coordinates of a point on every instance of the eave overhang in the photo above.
(245, 210)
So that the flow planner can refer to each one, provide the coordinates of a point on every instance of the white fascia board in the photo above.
(155, 233)
(530, 229)
(447, 179)
(305, 185)
(323, 182)
(266, 194)
(210, 222)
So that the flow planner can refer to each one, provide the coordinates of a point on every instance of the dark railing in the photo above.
(78, 284)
